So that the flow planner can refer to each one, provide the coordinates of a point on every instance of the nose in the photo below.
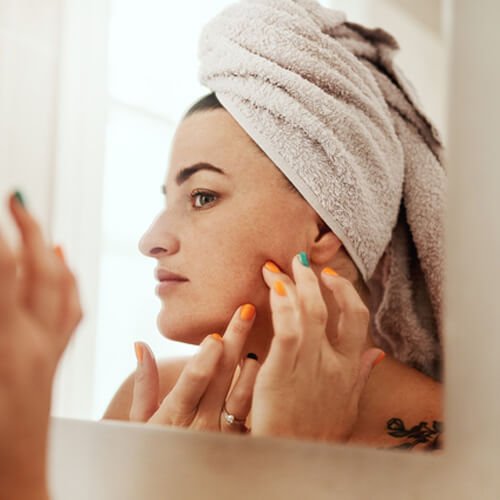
(158, 241)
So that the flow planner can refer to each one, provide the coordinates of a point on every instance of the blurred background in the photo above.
(90, 95)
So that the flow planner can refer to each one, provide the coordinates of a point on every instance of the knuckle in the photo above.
(140, 377)
(288, 341)
(76, 314)
(240, 327)
(239, 397)
(315, 311)
(196, 374)
(285, 307)
(43, 273)
(361, 311)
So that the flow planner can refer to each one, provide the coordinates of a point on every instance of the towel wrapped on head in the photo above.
(323, 98)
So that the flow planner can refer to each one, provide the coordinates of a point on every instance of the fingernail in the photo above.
(330, 271)
(379, 358)
(280, 288)
(247, 312)
(303, 259)
(139, 352)
(271, 266)
(252, 355)
(19, 197)
(216, 336)
(59, 252)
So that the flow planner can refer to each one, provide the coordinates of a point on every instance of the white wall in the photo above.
(52, 129)
(29, 64)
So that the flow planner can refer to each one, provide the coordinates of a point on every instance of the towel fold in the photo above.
(325, 101)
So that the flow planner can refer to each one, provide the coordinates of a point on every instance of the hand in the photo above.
(39, 310)
(201, 391)
(308, 388)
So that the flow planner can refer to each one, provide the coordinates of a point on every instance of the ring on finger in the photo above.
(233, 421)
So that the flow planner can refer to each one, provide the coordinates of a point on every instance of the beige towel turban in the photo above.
(324, 100)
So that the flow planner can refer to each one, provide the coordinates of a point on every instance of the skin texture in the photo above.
(222, 246)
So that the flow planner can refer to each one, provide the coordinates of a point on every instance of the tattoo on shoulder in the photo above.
(423, 433)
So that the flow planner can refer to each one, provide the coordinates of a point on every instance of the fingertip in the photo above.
(379, 357)
(139, 352)
(60, 253)
(328, 271)
(303, 259)
(272, 267)
(279, 288)
(16, 203)
(19, 198)
(328, 277)
(247, 312)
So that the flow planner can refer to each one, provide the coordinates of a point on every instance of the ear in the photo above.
(325, 245)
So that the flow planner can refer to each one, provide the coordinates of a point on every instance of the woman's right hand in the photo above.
(39, 311)
(201, 392)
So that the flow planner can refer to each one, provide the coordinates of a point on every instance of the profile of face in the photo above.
(220, 225)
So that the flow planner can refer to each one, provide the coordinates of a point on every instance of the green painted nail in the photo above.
(19, 198)
(303, 259)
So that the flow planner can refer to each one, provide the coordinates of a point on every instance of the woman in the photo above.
(312, 141)
(218, 228)
(313, 336)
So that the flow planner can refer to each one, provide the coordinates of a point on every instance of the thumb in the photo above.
(369, 359)
(146, 385)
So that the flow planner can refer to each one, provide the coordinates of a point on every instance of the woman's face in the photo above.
(218, 229)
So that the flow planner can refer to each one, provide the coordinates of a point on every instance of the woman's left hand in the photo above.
(309, 387)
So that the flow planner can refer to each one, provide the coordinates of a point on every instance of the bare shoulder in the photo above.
(168, 371)
(401, 408)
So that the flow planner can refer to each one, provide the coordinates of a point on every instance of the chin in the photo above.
(179, 329)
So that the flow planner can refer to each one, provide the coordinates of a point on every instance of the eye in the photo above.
(202, 196)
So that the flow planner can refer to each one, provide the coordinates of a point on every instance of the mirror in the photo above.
(94, 175)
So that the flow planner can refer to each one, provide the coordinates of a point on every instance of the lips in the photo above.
(164, 275)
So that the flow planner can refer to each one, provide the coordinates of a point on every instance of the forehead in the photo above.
(215, 137)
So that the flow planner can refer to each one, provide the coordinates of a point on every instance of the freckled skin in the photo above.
(222, 246)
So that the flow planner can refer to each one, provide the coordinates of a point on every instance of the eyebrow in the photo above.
(187, 172)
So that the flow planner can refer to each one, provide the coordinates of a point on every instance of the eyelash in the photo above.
(198, 192)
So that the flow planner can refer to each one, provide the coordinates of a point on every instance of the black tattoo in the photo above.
(415, 435)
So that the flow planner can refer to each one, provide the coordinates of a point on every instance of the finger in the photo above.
(146, 385)
(239, 401)
(8, 281)
(71, 308)
(370, 358)
(183, 400)
(272, 273)
(41, 269)
(287, 339)
(354, 316)
(235, 337)
(310, 302)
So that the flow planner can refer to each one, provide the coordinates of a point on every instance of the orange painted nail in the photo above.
(280, 288)
(247, 312)
(59, 252)
(139, 353)
(380, 357)
(216, 336)
(330, 271)
(271, 266)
